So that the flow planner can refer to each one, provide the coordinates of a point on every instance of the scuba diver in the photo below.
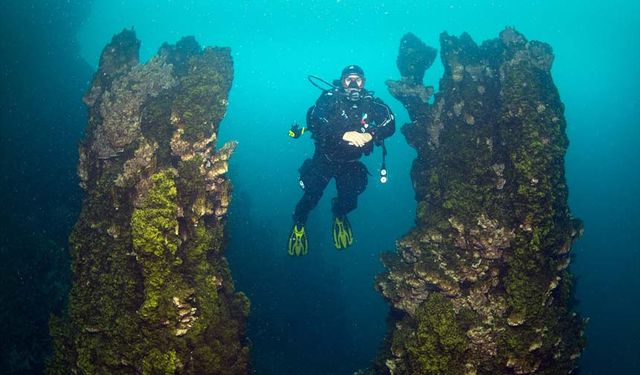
(346, 121)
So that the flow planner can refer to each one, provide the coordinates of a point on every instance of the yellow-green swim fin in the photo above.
(342, 235)
(298, 243)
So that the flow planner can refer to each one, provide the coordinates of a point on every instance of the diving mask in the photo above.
(352, 85)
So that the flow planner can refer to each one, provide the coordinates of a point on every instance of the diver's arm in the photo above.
(318, 122)
(385, 119)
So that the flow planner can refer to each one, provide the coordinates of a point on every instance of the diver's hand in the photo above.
(356, 138)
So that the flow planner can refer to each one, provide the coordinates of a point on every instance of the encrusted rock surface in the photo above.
(480, 285)
(152, 292)
(414, 58)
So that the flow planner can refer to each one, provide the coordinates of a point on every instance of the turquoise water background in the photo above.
(320, 314)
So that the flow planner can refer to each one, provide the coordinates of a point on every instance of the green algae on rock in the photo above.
(152, 292)
(480, 285)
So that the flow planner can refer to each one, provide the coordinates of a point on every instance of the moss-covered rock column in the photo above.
(480, 285)
(152, 293)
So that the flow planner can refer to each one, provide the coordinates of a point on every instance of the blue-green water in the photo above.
(319, 314)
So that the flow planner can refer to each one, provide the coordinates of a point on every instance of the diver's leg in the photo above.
(314, 176)
(351, 181)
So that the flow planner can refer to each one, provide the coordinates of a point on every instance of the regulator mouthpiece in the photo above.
(353, 94)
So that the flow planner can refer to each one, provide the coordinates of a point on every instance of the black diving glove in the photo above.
(296, 131)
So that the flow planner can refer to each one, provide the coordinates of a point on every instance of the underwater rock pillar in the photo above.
(152, 292)
(480, 285)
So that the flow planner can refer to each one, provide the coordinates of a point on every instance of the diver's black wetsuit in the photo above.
(332, 116)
